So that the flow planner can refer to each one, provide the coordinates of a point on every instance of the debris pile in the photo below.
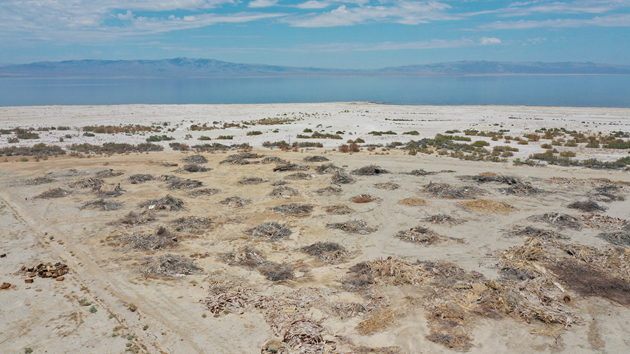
(251, 180)
(558, 220)
(195, 168)
(169, 266)
(529, 231)
(192, 224)
(133, 219)
(329, 191)
(486, 205)
(421, 172)
(284, 191)
(389, 186)
(444, 190)
(235, 202)
(140, 178)
(299, 176)
(419, 234)
(39, 180)
(108, 173)
(242, 158)
(328, 168)
(618, 238)
(203, 191)
(362, 198)
(316, 159)
(168, 203)
(144, 242)
(46, 270)
(88, 182)
(245, 257)
(273, 159)
(353, 227)
(412, 201)
(369, 171)
(102, 205)
(604, 222)
(587, 206)
(328, 252)
(270, 230)
(196, 159)
(442, 219)
(338, 210)
(54, 193)
(181, 183)
(293, 209)
(342, 178)
(290, 167)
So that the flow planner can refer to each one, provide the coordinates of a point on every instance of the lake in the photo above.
(559, 90)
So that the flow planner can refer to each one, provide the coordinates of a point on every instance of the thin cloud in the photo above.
(262, 3)
(604, 21)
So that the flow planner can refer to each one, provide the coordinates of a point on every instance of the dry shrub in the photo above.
(279, 183)
(558, 220)
(421, 172)
(102, 205)
(144, 242)
(251, 180)
(485, 178)
(282, 191)
(228, 302)
(203, 191)
(442, 219)
(241, 159)
(305, 336)
(588, 280)
(168, 203)
(140, 178)
(412, 202)
(521, 190)
(370, 170)
(133, 219)
(587, 206)
(487, 205)
(54, 193)
(273, 159)
(196, 159)
(169, 266)
(529, 231)
(276, 272)
(376, 322)
(108, 173)
(444, 190)
(329, 191)
(293, 209)
(195, 168)
(88, 182)
(245, 257)
(328, 252)
(340, 178)
(608, 194)
(420, 234)
(338, 210)
(362, 198)
(38, 180)
(299, 176)
(192, 224)
(382, 350)
(618, 238)
(270, 230)
(180, 183)
(235, 202)
(389, 186)
(316, 159)
(327, 168)
(353, 226)
(290, 167)
(604, 222)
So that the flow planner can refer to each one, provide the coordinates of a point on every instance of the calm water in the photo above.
(580, 90)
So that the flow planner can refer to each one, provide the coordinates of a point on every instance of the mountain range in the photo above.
(187, 67)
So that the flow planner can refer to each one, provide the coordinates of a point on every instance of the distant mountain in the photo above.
(185, 67)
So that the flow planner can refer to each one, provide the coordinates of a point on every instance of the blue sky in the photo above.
(358, 34)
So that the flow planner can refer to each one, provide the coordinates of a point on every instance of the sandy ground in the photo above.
(50, 316)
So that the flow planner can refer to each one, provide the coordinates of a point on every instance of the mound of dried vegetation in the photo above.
(353, 227)
(270, 230)
(169, 266)
(446, 191)
(327, 252)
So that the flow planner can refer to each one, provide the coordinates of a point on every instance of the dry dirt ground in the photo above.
(257, 291)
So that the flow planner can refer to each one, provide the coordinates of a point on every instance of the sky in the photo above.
(355, 34)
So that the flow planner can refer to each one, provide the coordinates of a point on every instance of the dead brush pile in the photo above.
(446, 191)
(277, 272)
(273, 159)
(370, 170)
(181, 183)
(235, 202)
(192, 224)
(420, 235)
(558, 220)
(316, 159)
(376, 322)
(608, 194)
(133, 219)
(412, 201)
(282, 191)
(389, 186)
(362, 198)
(102, 205)
(338, 210)
(604, 222)
(293, 209)
(279, 183)
(328, 168)
(587, 206)
(88, 182)
(167, 203)
(169, 266)
(140, 178)
(421, 172)
(353, 227)
(299, 176)
(54, 193)
(443, 219)
(194, 168)
(108, 173)
(327, 252)
(329, 191)
(143, 242)
(245, 257)
(529, 231)
(203, 191)
(196, 159)
(108, 191)
(486, 178)
(488, 206)
(39, 180)
(341, 178)
(521, 190)
(251, 180)
(290, 167)
(242, 158)
(617, 238)
(228, 302)
(270, 230)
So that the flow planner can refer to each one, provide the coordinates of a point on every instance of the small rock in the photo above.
(28, 281)
(3, 255)
(5, 286)
(60, 278)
